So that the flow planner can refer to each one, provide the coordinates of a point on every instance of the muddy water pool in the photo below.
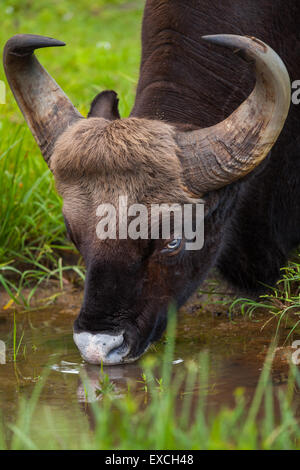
(41, 339)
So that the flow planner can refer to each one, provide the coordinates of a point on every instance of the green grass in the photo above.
(166, 421)
(103, 52)
(282, 303)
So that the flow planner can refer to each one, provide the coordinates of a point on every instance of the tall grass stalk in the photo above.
(177, 416)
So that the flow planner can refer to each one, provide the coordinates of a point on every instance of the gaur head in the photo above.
(131, 282)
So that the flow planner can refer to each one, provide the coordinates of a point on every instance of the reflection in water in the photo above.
(120, 377)
(44, 340)
(67, 367)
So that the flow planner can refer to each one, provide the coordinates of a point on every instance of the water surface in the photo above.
(237, 349)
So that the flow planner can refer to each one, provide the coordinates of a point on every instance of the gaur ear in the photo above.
(105, 105)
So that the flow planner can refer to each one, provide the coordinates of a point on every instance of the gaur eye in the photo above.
(172, 245)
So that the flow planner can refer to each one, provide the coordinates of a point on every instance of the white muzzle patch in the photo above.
(101, 348)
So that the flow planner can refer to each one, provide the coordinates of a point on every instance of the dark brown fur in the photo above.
(250, 226)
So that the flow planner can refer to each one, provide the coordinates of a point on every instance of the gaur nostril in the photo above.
(108, 344)
(118, 350)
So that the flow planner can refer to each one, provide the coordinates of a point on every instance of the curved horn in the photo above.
(216, 156)
(47, 110)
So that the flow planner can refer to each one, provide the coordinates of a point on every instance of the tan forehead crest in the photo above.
(134, 156)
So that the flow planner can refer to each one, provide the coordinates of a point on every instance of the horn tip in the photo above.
(219, 39)
(25, 44)
(233, 41)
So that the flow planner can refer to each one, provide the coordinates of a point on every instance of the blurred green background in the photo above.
(103, 45)
(102, 52)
